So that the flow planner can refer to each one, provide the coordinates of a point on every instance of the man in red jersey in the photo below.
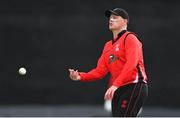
(122, 56)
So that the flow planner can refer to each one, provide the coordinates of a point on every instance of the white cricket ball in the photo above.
(107, 105)
(22, 71)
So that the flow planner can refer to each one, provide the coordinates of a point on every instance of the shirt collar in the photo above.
(119, 35)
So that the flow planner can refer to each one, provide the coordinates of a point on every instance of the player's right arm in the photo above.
(95, 74)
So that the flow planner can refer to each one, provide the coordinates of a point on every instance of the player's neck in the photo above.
(116, 32)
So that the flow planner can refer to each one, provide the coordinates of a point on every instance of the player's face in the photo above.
(116, 22)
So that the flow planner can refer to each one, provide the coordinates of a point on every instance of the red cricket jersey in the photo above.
(123, 58)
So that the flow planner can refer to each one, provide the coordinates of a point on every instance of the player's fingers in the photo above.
(71, 73)
(106, 96)
(76, 73)
(111, 94)
(70, 70)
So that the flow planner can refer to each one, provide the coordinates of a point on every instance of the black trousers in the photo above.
(128, 99)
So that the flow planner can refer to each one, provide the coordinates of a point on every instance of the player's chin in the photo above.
(111, 28)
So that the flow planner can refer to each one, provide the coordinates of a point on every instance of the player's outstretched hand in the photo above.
(74, 75)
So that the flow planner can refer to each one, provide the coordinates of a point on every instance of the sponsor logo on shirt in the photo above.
(117, 47)
(112, 58)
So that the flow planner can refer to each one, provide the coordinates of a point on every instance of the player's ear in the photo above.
(126, 21)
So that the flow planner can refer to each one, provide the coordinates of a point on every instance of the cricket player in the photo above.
(122, 57)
